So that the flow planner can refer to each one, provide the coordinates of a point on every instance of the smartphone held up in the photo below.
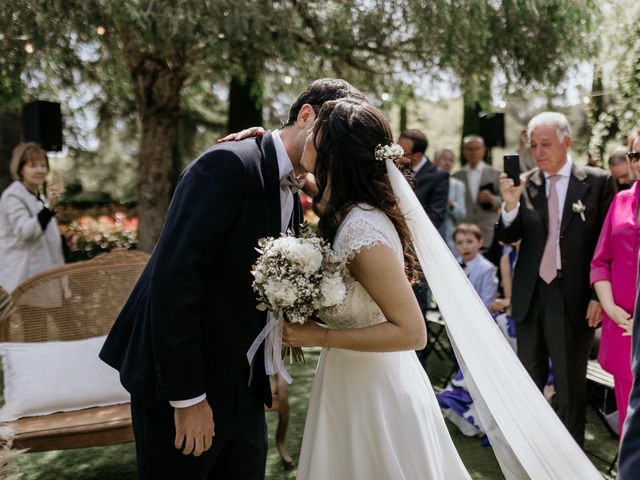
(512, 167)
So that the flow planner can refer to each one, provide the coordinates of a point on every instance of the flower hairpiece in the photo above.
(388, 152)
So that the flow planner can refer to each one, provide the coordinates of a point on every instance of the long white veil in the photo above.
(529, 440)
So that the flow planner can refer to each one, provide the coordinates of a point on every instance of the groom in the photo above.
(181, 339)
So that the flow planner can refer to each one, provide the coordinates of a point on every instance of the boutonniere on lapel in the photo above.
(578, 207)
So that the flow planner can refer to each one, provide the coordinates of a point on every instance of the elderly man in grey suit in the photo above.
(456, 207)
(482, 183)
(629, 464)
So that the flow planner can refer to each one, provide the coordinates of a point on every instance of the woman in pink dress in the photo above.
(613, 275)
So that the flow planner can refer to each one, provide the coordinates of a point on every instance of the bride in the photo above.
(372, 413)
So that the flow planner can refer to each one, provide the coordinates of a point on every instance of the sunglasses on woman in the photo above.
(633, 156)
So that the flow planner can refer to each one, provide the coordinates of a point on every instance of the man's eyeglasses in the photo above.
(633, 156)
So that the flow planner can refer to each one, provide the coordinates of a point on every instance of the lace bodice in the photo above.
(363, 227)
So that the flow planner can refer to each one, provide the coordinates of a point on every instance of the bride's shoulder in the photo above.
(364, 226)
(367, 212)
(363, 214)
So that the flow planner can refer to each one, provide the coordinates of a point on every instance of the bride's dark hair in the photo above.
(346, 135)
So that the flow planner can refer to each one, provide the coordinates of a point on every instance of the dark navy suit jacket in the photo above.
(578, 237)
(431, 186)
(192, 316)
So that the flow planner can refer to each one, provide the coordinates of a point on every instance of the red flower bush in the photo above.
(88, 236)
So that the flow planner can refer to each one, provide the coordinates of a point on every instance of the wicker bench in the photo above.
(89, 296)
(438, 343)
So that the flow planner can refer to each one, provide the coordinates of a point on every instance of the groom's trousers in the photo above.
(238, 452)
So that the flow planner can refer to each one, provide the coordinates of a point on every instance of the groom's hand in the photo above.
(194, 428)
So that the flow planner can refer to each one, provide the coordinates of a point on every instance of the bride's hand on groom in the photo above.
(309, 334)
(242, 134)
(310, 187)
(194, 428)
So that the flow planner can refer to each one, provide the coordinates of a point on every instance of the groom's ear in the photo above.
(306, 117)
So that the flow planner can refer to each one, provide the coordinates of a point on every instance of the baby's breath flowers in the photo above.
(388, 152)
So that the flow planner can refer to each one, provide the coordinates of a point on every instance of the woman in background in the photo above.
(613, 274)
(29, 237)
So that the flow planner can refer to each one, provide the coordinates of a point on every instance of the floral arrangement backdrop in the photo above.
(89, 232)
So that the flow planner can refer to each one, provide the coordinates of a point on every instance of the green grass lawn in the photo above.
(118, 462)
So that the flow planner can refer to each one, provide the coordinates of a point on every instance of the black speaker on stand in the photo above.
(492, 130)
(42, 124)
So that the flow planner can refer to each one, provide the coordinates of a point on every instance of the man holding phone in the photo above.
(482, 184)
(557, 212)
(512, 167)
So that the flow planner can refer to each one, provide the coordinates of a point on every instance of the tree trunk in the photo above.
(154, 172)
(158, 86)
(470, 122)
(245, 103)
(403, 117)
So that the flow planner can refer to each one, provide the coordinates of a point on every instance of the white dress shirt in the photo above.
(473, 179)
(468, 265)
(286, 210)
(421, 163)
(284, 168)
(562, 185)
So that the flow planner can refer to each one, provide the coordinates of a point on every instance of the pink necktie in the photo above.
(549, 265)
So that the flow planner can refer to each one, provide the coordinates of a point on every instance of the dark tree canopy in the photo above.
(157, 58)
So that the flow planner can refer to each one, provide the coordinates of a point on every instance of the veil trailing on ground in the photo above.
(529, 440)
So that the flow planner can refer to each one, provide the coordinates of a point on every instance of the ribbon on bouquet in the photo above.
(271, 335)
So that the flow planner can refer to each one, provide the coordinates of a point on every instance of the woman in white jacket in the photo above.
(29, 238)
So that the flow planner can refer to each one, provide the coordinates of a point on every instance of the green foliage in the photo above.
(12, 63)
(368, 42)
(149, 69)
(528, 41)
(621, 112)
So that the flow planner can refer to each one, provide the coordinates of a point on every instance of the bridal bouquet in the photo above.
(297, 277)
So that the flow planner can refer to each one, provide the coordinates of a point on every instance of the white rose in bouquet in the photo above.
(333, 290)
(308, 256)
(283, 245)
(282, 293)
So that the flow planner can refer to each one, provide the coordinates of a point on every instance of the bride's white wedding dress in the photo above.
(373, 415)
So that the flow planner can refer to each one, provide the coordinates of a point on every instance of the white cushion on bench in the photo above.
(48, 377)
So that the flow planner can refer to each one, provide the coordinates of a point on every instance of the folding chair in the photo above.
(602, 400)
(436, 343)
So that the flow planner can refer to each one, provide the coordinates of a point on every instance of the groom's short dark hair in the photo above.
(321, 91)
